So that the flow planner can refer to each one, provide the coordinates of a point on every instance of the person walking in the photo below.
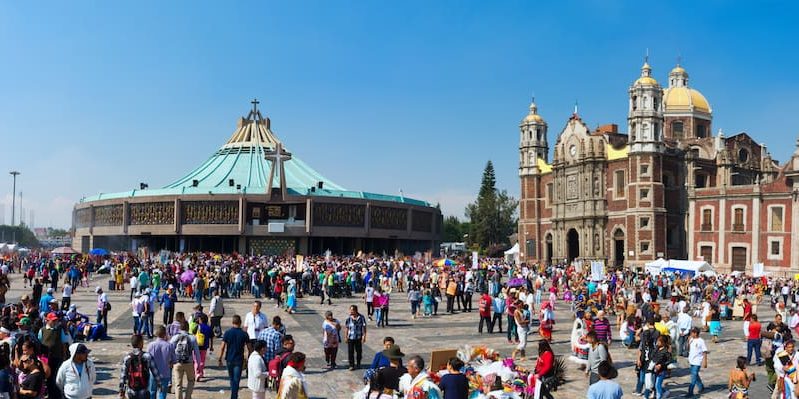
(54, 337)
(103, 306)
(164, 357)
(498, 308)
(684, 326)
(257, 371)
(234, 341)
(255, 322)
(597, 354)
(355, 337)
(292, 381)
(167, 302)
(330, 339)
(205, 341)
(697, 359)
(138, 367)
(217, 312)
(753, 341)
(76, 377)
(522, 320)
(272, 337)
(186, 349)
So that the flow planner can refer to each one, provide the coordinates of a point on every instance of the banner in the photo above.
(597, 270)
(757, 270)
(299, 267)
(474, 260)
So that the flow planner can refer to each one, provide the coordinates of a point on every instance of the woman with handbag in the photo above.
(661, 361)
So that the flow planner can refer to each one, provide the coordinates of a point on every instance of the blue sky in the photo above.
(379, 96)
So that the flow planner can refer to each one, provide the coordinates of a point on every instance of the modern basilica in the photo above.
(667, 188)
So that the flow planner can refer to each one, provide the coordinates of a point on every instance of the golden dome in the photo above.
(677, 69)
(646, 81)
(533, 116)
(677, 99)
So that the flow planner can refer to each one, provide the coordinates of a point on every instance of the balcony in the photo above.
(706, 227)
(738, 227)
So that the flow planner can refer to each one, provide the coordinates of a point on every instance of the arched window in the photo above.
(701, 131)
(677, 128)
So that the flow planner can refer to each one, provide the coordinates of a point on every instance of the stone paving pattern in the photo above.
(419, 336)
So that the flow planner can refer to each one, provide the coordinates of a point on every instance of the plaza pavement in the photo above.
(419, 336)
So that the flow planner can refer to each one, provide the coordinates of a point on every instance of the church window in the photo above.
(677, 130)
(655, 103)
(707, 253)
(644, 247)
(644, 170)
(707, 220)
(776, 218)
(776, 248)
(644, 194)
(701, 131)
(743, 155)
(620, 184)
(738, 219)
(550, 193)
(701, 180)
(644, 222)
(635, 103)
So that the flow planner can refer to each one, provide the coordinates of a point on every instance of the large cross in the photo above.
(254, 103)
(277, 157)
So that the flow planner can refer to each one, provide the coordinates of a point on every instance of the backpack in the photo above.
(182, 350)
(275, 367)
(138, 377)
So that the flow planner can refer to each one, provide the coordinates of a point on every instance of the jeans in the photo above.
(753, 345)
(234, 376)
(683, 345)
(659, 377)
(414, 307)
(136, 324)
(512, 333)
(696, 380)
(496, 320)
(162, 390)
(640, 385)
(377, 316)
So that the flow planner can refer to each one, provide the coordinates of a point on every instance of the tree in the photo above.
(453, 229)
(23, 235)
(493, 214)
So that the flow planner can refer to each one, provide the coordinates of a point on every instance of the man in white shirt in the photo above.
(794, 320)
(66, 295)
(697, 358)
(255, 321)
(684, 324)
(369, 295)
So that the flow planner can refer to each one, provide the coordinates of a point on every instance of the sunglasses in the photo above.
(26, 360)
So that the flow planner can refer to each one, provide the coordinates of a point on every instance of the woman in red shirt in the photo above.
(544, 368)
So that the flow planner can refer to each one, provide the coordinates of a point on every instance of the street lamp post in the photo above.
(13, 173)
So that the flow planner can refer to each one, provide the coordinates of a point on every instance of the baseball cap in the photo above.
(25, 321)
(51, 316)
(97, 290)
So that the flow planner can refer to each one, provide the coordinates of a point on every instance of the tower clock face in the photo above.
(573, 150)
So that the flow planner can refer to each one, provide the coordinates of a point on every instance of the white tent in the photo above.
(689, 267)
(654, 267)
(513, 254)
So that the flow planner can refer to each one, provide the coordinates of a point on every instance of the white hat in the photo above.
(97, 290)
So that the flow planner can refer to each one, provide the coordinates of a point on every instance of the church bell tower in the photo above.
(533, 142)
(646, 217)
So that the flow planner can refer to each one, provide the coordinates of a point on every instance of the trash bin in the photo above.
(111, 284)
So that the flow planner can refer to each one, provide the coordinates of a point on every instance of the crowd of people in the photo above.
(663, 317)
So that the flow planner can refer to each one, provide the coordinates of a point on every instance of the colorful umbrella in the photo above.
(445, 262)
(517, 282)
(98, 252)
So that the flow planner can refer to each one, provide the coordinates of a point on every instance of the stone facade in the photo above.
(667, 189)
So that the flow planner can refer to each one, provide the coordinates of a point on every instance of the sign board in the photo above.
(439, 359)
(757, 270)
(276, 227)
(474, 260)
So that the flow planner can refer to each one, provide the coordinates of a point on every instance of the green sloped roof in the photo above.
(243, 159)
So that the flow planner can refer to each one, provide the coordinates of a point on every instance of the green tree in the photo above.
(23, 235)
(493, 214)
(453, 229)
(58, 232)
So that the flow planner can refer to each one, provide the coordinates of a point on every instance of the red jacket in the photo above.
(484, 305)
(543, 365)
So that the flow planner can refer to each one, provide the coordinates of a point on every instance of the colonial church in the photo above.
(668, 188)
